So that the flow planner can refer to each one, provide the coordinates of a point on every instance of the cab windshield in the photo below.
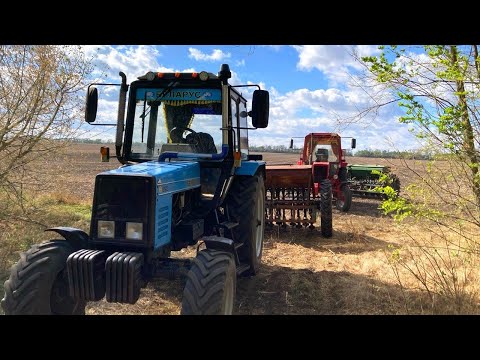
(324, 153)
(179, 120)
(322, 150)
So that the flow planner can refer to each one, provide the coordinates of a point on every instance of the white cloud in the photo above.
(329, 101)
(240, 62)
(216, 55)
(132, 60)
(334, 61)
(235, 79)
(302, 111)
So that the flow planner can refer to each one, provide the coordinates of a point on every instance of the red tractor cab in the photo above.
(323, 151)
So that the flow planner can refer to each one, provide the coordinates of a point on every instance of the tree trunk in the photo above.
(468, 134)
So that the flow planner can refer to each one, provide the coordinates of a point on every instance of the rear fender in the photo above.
(75, 237)
(251, 168)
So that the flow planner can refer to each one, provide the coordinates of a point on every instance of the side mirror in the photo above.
(91, 104)
(354, 143)
(260, 109)
(291, 143)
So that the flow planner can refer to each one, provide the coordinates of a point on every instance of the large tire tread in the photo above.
(27, 291)
(347, 199)
(326, 227)
(206, 279)
(241, 204)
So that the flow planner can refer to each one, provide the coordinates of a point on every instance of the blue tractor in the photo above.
(186, 178)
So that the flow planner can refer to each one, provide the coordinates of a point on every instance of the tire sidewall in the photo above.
(260, 196)
(230, 280)
(346, 195)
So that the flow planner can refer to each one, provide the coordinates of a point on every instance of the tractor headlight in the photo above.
(134, 231)
(106, 229)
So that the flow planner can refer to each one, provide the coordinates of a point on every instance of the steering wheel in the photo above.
(182, 129)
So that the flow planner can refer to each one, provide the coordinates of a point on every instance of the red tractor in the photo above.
(323, 151)
(297, 194)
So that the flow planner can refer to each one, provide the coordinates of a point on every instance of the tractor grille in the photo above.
(122, 199)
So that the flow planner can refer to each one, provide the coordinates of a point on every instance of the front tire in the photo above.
(344, 199)
(38, 283)
(326, 227)
(246, 205)
(211, 284)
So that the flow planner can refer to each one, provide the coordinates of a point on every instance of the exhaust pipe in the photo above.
(121, 117)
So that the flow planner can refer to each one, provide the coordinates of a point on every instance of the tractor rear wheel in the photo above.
(38, 283)
(344, 199)
(246, 205)
(326, 208)
(211, 284)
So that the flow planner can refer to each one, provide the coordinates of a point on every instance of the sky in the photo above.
(313, 88)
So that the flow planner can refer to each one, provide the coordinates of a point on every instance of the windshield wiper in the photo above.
(167, 89)
(144, 113)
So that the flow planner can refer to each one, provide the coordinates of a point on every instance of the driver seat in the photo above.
(322, 155)
(202, 142)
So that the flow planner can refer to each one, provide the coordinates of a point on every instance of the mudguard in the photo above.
(75, 237)
(250, 168)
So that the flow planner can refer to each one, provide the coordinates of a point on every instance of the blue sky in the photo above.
(313, 88)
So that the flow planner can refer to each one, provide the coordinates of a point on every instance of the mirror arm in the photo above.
(258, 86)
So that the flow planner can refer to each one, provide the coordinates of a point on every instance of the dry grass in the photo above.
(440, 263)
(302, 273)
(22, 230)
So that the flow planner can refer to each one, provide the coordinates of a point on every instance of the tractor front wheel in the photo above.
(326, 227)
(344, 199)
(38, 283)
(211, 284)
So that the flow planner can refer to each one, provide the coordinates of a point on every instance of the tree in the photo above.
(439, 89)
(39, 104)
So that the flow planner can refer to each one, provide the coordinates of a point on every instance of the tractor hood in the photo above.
(169, 176)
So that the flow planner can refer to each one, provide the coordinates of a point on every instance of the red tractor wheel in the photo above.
(344, 199)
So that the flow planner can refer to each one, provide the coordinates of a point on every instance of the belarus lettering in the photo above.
(183, 94)
(180, 94)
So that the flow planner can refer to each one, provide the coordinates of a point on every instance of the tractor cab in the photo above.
(323, 152)
(182, 116)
